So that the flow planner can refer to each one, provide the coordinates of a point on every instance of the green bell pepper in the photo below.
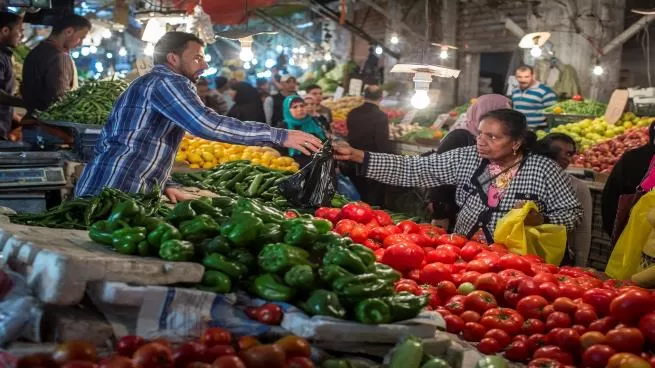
(149, 222)
(217, 244)
(242, 256)
(205, 207)
(322, 226)
(126, 240)
(268, 286)
(385, 272)
(280, 257)
(216, 281)
(162, 233)
(373, 311)
(176, 250)
(242, 229)
(199, 228)
(219, 262)
(265, 213)
(224, 203)
(182, 211)
(143, 249)
(362, 286)
(299, 232)
(329, 273)
(405, 305)
(345, 258)
(101, 231)
(365, 254)
(324, 303)
(300, 276)
(270, 233)
(126, 210)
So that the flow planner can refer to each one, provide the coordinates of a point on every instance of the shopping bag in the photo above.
(347, 188)
(626, 255)
(547, 241)
(315, 184)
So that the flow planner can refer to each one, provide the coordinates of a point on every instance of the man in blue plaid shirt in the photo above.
(138, 143)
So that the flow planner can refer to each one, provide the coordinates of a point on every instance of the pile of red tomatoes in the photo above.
(518, 306)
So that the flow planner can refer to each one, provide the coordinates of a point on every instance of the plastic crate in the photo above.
(85, 137)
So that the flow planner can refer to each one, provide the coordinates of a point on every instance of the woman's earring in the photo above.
(514, 151)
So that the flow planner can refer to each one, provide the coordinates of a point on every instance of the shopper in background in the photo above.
(316, 91)
(11, 32)
(210, 97)
(312, 110)
(274, 105)
(223, 88)
(137, 146)
(532, 96)
(633, 174)
(492, 178)
(462, 134)
(263, 88)
(247, 104)
(561, 148)
(297, 118)
(48, 70)
(368, 130)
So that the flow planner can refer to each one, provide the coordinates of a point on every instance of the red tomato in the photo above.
(453, 239)
(480, 301)
(535, 342)
(599, 299)
(152, 355)
(553, 352)
(647, 327)
(470, 276)
(629, 340)
(456, 304)
(517, 351)
(403, 256)
(627, 360)
(558, 319)
(603, 325)
(580, 329)
(407, 285)
(79, 364)
(216, 336)
(597, 356)
(228, 361)
(470, 250)
(379, 234)
(630, 306)
(127, 345)
(478, 266)
(490, 282)
(568, 339)
(382, 217)
(345, 227)
(408, 227)
(617, 284)
(511, 294)
(585, 316)
(189, 352)
(523, 338)
(300, 362)
(116, 361)
(528, 287)
(357, 213)
(470, 316)
(532, 306)
(359, 234)
(216, 351)
(541, 277)
(499, 335)
(505, 319)
(434, 273)
(590, 338)
(379, 254)
(419, 239)
(372, 244)
(577, 98)
(434, 300)
(446, 289)
(566, 305)
(459, 267)
(441, 255)
(515, 262)
(549, 290)
(454, 324)
(548, 310)
(449, 247)
(533, 326)
(570, 291)
(473, 331)
(74, 350)
(489, 346)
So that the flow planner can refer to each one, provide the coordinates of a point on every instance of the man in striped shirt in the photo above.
(138, 143)
(532, 97)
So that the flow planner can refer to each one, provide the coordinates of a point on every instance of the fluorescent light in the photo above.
(394, 39)
(109, 55)
(292, 62)
(598, 70)
(210, 71)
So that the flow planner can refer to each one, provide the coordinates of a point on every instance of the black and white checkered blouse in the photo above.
(538, 179)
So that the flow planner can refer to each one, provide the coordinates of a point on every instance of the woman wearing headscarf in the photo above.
(462, 134)
(247, 104)
(296, 117)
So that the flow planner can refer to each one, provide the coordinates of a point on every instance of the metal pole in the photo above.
(629, 32)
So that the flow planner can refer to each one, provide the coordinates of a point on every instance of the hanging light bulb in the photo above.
(246, 65)
(279, 48)
(292, 62)
(535, 51)
(93, 49)
(75, 54)
(598, 70)
(106, 33)
(246, 54)
(295, 50)
(394, 39)
(109, 55)
(269, 63)
(123, 51)
(327, 56)
(254, 62)
(208, 57)
(378, 50)
(149, 50)
(302, 49)
(443, 54)
(85, 51)
(420, 100)
(99, 67)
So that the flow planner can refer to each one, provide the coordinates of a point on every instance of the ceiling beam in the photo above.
(285, 28)
(402, 24)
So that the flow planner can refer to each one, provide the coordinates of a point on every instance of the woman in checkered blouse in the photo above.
(496, 175)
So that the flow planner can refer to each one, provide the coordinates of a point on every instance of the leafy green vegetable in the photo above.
(584, 107)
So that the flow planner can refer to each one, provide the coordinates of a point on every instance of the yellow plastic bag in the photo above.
(626, 256)
(547, 241)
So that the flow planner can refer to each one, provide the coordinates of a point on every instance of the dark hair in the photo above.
(74, 21)
(524, 68)
(173, 42)
(516, 125)
(544, 146)
(245, 94)
(220, 82)
(372, 93)
(312, 87)
(202, 82)
(8, 19)
(261, 81)
(296, 99)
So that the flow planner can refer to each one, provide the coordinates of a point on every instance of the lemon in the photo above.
(557, 110)
(181, 156)
(209, 164)
(207, 156)
(194, 158)
(194, 166)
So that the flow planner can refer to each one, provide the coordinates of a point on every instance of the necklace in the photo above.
(503, 176)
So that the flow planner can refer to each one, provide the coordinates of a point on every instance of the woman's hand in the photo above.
(303, 142)
(533, 218)
(344, 152)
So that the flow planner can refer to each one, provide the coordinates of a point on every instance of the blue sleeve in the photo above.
(177, 101)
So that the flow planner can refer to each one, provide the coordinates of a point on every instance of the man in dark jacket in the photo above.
(368, 130)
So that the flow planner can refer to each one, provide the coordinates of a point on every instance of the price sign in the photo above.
(338, 93)
(616, 106)
(355, 87)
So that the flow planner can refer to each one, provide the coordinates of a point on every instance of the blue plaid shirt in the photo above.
(138, 143)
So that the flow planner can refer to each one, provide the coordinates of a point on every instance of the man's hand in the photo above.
(344, 152)
(303, 142)
(177, 195)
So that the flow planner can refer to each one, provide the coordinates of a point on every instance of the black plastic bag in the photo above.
(315, 184)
